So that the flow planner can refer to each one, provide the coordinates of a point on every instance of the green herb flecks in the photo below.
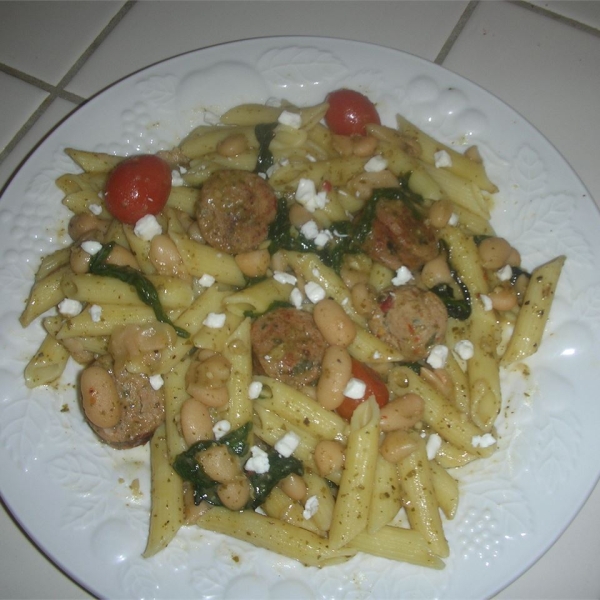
(144, 288)
(264, 134)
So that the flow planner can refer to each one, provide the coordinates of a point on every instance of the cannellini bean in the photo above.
(364, 145)
(401, 413)
(336, 371)
(213, 397)
(196, 422)
(99, 397)
(503, 298)
(337, 327)
(329, 457)
(299, 215)
(440, 213)
(165, 257)
(122, 257)
(254, 263)
(294, 487)
(83, 223)
(233, 145)
(356, 268)
(235, 494)
(514, 258)
(219, 464)
(363, 299)
(436, 271)
(79, 260)
(494, 252)
(397, 445)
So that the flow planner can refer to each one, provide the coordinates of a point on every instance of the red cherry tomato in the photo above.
(375, 387)
(137, 187)
(349, 112)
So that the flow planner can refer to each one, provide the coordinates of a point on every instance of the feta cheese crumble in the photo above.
(254, 390)
(483, 441)
(464, 349)
(311, 506)
(214, 320)
(176, 179)
(287, 444)
(291, 119)
(442, 159)
(486, 301)
(314, 292)
(434, 443)
(453, 220)
(156, 381)
(95, 209)
(376, 164)
(306, 194)
(438, 356)
(403, 275)
(95, 313)
(69, 307)
(220, 428)
(505, 273)
(206, 280)
(283, 277)
(147, 228)
(91, 247)
(258, 462)
(296, 297)
(355, 388)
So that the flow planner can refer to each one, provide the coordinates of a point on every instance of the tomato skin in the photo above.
(349, 111)
(137, 187)
(375, 387)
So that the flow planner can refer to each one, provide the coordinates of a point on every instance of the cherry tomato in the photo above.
(375, 387)
(137, 187)
(349, 111)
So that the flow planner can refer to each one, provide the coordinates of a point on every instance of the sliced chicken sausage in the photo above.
(399, 238)
(288, 346)
(234, 211)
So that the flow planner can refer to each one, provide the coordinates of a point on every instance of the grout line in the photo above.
(546, 12)
(58, 91)
(462, 21)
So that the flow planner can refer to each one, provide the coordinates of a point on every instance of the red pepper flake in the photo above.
(326, 186)
(386, 304)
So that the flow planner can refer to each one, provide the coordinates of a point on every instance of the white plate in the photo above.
(73, 494)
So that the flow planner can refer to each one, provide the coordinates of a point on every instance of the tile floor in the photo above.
(542, 58)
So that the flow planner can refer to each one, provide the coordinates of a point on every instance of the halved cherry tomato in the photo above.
(375, 387)
(137, 187)
(349, 111)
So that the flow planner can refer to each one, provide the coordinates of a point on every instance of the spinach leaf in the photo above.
(264, 134)
(145, 289)
(279, 468)
(189, 469)
(285, 237)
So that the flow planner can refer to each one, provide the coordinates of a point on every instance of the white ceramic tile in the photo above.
(586, 12)
(23, 559)
(18, 100)
(545, 69)
(579, 545)
(44, 39)
(152, 31)
(57, 111)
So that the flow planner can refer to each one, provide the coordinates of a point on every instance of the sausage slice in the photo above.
(399, 238)
(234, 211)
(288, 346)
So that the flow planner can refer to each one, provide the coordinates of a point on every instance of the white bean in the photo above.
(100, 398)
